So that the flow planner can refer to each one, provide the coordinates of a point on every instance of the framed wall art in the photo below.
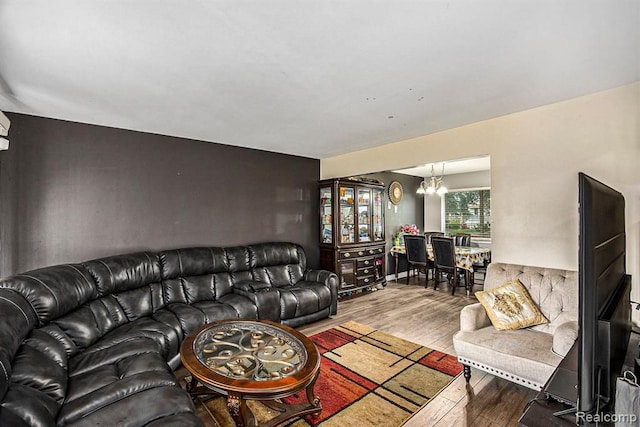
(395, 192)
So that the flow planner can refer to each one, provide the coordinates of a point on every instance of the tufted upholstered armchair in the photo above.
(524, 356)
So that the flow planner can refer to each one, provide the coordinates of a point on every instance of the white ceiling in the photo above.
(312, 78)
(452, 167)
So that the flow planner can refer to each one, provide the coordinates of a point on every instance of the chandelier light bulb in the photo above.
(435, 184)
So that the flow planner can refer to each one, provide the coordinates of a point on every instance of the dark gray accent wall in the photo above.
(410, 210)
(70, 192)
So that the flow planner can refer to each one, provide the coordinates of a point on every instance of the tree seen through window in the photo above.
(468, 212)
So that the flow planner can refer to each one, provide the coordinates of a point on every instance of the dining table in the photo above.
(466, 256)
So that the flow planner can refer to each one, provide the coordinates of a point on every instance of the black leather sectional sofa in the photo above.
(96, 343)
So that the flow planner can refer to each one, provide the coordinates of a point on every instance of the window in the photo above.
(468, 211)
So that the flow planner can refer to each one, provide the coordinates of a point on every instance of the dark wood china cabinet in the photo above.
(352, 241)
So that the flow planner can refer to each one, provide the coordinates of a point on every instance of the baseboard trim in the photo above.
(402, 275)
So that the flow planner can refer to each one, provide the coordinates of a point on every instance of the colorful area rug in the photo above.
(367, 377)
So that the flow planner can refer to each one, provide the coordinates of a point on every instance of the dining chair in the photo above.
(417, 258)
(429, 234)
(444, 254)
(461, 239)
(482, 269)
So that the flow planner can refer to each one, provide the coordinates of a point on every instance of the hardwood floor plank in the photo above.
(458, 389)
(433, 412)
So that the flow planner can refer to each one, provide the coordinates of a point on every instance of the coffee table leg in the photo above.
(239, 411)
(192, 387)
(312, 398)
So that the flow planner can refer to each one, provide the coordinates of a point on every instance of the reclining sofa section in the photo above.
(95, 343)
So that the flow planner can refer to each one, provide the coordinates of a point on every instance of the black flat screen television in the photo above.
(604, 293)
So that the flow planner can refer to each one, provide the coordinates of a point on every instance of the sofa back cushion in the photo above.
(129, 285)
(239, 261)
(53, 291)
(121, 273)
(59, 296)
(191, 275)
(554, 291)
(18, 319)
(279, 263)
(33, 375)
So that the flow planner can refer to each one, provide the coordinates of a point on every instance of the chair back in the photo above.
(429, 234)
(461, 239)
(444, 252)
(416, 249)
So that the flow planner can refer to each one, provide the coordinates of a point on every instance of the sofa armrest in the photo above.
(564, 337)
(322, 276)
(473, 317)
(328, 279)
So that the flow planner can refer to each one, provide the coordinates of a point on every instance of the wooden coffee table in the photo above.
(250, 359)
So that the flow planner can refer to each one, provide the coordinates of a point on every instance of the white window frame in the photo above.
(443, 217)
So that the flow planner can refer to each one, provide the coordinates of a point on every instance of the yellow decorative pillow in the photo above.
(510, 306)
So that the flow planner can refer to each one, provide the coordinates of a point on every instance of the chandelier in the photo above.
(435, 184)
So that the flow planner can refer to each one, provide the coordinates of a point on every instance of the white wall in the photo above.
(535, 159)
(432, 213)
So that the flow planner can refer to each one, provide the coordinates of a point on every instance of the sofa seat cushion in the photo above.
(142, 407)
(101, 355)
(165, 335)
(523, 353)
(27, 406)
(108, 383)
(102, 376)
(191, 317)
(240, 304)
(265, 297)
(303, 298)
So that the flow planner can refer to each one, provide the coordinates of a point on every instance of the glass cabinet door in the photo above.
(378, 220)
(364, 215)
(326, 227)
(347, 214)
(347, 274)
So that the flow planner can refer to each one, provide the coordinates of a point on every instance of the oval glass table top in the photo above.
(246, 350)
